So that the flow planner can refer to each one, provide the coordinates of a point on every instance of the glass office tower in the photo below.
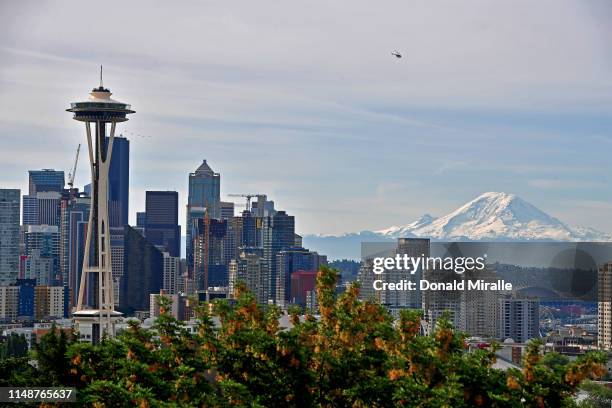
(161, 221)
(204, 197)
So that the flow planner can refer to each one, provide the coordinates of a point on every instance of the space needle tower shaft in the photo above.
(95, 314)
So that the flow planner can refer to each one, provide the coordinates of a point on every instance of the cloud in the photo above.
(303, 100)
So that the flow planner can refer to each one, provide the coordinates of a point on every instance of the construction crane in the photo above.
(248, 198)
(73, 172)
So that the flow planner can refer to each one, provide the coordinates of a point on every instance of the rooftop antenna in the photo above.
(101, 83)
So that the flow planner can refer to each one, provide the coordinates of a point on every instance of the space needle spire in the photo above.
(95, 314)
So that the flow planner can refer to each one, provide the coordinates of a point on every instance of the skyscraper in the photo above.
(45, 188)
(45, 180)
(278, 232)
(48, 208)
(249, 229)
(42, 208)
(161, 221)
(143, 272)
(43, 254)
(210, 268)
(119, 182)
(204, 197)
(73, 233)
(172, 268)
(9, 235)
(117, 259)
(30, 210)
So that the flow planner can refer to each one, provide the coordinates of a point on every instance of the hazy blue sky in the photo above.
(303, 101)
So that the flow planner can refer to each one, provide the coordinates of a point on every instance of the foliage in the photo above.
(353, 354)
(14, 346)
(555, 361)
(51, 356)
(599, 396)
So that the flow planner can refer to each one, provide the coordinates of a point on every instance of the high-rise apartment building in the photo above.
(604, 306)
(437, 303)
(9, 302)
(250, 269)
(172, 270)
(518, 318)
(50, 302)
(204, 197)
(161, 221)
(9, 235)
(478, 308)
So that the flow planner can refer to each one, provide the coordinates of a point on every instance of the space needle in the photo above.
(95, 317)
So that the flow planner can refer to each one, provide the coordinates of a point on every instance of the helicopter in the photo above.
(396, 54)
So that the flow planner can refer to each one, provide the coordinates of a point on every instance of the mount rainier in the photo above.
(489, 217)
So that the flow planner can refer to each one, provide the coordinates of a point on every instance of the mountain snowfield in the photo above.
(491, 216)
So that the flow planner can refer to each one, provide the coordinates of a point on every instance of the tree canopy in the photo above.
(353, 354)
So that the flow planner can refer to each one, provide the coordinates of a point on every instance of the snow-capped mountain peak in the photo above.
(396, 230)
(496, 216)
(491, 216)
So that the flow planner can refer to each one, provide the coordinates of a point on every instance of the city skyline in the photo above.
(460, 114)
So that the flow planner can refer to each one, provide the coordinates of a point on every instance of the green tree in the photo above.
(51, 355)
(15, 346)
